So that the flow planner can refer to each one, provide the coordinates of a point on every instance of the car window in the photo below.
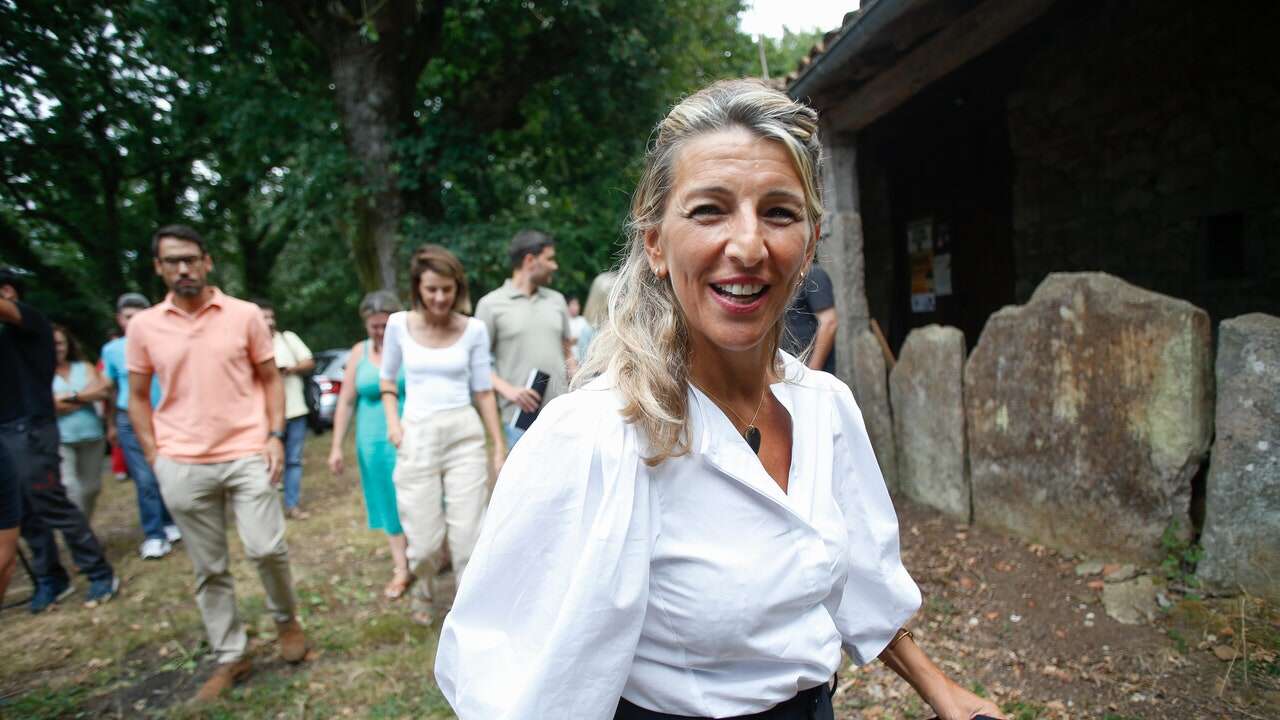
(336, 365)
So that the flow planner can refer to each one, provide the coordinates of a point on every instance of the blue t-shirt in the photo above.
(113, 364)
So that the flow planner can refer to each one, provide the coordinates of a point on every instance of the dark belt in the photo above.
(811, 704)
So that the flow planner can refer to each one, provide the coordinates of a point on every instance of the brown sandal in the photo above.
(399, 585)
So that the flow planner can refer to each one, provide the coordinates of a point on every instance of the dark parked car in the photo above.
(323, 387)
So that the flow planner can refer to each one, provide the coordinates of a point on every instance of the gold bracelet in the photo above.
(902, 632)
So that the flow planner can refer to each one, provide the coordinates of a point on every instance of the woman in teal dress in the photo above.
(377, 457)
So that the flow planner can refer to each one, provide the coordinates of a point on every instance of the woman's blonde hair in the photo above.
(596, 311)
(644, 344)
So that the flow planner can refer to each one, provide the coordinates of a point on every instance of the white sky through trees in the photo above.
(768, 17)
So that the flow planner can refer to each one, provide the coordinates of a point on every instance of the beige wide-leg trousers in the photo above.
(441, 481)
(82, 472)
(197, 496)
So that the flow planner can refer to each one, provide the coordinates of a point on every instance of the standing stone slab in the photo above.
(927, 389)
(1241, 536)
(871, 389)
(1089, 412)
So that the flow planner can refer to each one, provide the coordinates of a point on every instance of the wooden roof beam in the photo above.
(969, 36)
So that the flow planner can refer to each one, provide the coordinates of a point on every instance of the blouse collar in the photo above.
(715, 438)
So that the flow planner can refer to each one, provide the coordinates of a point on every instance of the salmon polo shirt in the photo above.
(213, 407)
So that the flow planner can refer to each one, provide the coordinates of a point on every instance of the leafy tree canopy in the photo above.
(117, 116)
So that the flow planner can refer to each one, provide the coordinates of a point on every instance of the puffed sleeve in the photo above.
(879, 595)
(391, 348)
(549, 611)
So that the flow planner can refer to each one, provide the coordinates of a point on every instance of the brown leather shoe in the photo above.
(223, 677)
(293, 644)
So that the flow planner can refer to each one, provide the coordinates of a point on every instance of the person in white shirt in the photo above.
(441, 477)
(701, 527)
(295, 361)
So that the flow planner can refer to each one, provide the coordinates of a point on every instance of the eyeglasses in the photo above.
(176, 262)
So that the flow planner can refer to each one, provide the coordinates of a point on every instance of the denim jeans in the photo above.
(295, 433)
(152, 513)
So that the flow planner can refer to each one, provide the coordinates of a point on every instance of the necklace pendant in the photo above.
(752, 436)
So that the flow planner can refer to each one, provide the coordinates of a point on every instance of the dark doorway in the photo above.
(944, 204)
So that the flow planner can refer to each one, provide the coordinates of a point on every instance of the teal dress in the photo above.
(377, 456)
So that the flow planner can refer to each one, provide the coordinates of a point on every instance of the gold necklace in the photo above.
(752, 433)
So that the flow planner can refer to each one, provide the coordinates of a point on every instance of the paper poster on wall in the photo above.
(942, 274)
(920, 259)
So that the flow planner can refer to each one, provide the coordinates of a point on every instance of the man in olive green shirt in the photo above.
(528, 327)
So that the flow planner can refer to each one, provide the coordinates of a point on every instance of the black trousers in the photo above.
(31, 450)
(811, 704)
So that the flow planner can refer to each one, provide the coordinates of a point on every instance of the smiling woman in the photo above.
(701, 528)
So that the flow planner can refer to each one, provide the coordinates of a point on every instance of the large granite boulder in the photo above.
(927, 389)
(1241, 537)
(871, 389)
(1090, 409)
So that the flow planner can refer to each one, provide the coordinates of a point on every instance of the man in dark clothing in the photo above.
(31, 491)
(811, 320)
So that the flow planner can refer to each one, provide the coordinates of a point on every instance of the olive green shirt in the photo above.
(526, 332)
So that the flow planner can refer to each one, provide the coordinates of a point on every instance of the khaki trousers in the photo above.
(81, 464)
(441, 480)
(198, 496)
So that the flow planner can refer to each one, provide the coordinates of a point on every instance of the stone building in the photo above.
(975, 146)
(1093, 191)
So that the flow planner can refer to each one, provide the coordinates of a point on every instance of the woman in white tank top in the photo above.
(442, 475)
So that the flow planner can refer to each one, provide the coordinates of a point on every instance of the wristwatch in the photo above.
(277, 434)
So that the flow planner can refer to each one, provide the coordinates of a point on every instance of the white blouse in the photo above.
(440, 378)
(697, 587)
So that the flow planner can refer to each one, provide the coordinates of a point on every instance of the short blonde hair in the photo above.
(596, 311)
(644, 344)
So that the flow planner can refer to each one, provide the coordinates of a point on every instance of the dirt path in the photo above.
(1009, 619)
(1015, 621)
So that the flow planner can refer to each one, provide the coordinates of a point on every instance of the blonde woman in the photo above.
(441, 476)
(698, 531)
(595, 312)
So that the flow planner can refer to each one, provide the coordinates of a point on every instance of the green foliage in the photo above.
(1180, 557)
(43, 704)
(117, 116)
(1020, 710)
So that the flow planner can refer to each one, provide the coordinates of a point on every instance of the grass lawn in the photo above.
(144, 654)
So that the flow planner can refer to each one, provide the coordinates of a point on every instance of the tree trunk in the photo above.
(375, 53)
(373, 100)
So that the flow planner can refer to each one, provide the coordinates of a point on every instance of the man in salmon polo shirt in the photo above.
(216, 439)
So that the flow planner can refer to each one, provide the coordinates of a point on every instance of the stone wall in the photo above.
(926, 388)
(1090, 410)
(1242, 509)
(1145, 136)
(871, 389)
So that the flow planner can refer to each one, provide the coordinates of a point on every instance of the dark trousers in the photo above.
(811, 704)
(152, 514)
(32, 448)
